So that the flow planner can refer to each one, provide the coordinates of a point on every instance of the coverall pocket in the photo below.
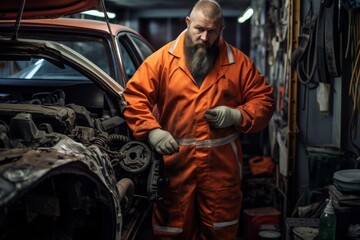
(228, 207)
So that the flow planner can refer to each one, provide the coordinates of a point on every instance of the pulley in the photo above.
(137, 157)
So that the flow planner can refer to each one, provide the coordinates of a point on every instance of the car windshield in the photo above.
(93, 48)
(38, 69)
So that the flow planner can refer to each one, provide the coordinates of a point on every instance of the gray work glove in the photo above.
(163, 142)
(223, 117)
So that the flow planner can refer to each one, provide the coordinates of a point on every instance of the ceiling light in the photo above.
(96, 13)
(247, 14)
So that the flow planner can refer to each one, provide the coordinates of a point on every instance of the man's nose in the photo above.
(204, 36)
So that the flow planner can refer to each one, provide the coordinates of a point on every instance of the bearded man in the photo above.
(207, 92)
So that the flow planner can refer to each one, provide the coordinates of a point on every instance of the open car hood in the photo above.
(44, 9)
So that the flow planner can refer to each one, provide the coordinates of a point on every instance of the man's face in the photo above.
(203, 32)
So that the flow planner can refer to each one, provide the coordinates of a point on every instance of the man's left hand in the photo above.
(223, 117)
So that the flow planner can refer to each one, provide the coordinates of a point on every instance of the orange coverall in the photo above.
(204, 189)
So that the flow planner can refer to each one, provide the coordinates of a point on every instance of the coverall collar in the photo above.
(224, 59)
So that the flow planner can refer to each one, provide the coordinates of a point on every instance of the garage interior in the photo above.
(289, 167)
(309, 52)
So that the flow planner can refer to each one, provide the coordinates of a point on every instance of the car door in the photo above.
(133, 51)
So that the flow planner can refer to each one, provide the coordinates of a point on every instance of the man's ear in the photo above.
(187, 21)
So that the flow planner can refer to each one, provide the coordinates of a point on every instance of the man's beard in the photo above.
(200, 60)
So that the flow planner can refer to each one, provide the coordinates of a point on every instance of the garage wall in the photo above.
(321, 137)
(327, 131)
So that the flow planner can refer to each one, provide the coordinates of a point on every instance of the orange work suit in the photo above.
(203, 197)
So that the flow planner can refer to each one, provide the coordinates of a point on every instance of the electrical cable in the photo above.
(354, 83)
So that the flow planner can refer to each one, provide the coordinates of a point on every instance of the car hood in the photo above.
(44, 9)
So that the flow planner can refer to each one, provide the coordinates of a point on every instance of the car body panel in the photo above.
(86, 24)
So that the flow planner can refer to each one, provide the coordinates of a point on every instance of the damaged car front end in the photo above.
(66, 170)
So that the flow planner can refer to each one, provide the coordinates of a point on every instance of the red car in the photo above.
(69, 166)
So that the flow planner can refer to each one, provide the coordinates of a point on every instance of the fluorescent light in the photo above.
(96, 13)
(247, 14)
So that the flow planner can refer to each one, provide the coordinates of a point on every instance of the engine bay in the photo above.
(46, 123)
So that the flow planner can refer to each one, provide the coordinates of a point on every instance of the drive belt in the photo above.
(321, 67)
(320, 48)
(304, 57)
(333, 37)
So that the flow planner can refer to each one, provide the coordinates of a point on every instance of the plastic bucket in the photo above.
(269, 235)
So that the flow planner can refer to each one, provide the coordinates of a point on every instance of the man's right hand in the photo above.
(163, 142)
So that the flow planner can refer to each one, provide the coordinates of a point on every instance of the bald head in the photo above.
(209, 8)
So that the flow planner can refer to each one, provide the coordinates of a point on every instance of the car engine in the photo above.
(68, 174)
